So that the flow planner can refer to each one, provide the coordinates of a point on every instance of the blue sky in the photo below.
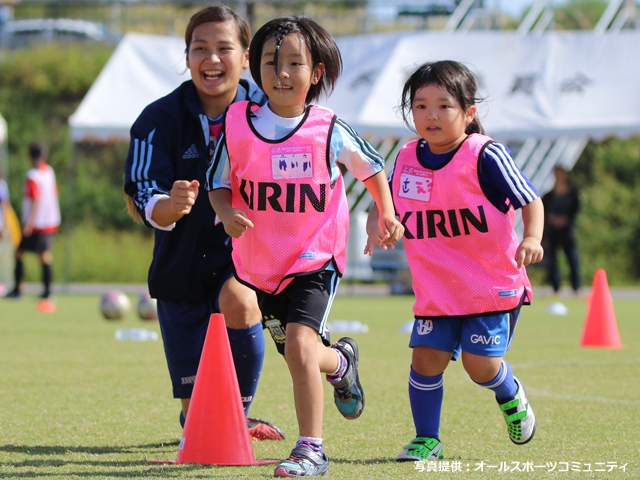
(515, 7)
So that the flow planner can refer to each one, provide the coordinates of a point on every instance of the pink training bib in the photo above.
(460, 247)
(284, 186)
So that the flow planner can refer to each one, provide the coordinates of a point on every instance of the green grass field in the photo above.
(78, 404)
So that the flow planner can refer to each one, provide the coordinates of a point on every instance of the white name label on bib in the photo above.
(416, 184)
(294, 161)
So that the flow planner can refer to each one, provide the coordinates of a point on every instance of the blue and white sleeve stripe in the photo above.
(360, 158)
(219, 173)
(142, 154)
(365, 147)
(520, 188)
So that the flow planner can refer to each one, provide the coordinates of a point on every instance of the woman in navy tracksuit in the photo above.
(191, 273)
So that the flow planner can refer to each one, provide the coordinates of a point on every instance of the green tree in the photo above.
(41, 87)
(579, 14)
(608, 175)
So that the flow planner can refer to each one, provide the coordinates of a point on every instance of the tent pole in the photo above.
(68, 229)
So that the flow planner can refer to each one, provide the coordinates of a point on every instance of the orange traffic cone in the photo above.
(215, 431)
(601, 328)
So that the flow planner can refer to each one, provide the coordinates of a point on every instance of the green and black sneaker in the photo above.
(421, 449)
(521, 422)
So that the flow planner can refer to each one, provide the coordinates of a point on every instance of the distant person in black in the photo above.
(561, 206)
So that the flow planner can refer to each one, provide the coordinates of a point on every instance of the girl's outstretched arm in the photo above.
(389, 229)
(235, 221)
(530, 250)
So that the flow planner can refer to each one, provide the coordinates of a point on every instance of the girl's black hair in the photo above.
(454, 77)
(320, 43)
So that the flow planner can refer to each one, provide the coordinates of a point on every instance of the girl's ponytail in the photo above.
(474, 127)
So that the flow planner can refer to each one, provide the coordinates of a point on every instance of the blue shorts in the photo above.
(307, 300)
(184, 327)
(487, 335)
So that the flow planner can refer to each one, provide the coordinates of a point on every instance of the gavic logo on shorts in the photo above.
(491, 340)
(424, 327)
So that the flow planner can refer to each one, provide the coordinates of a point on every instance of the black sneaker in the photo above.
(15, 294)
(348, 394)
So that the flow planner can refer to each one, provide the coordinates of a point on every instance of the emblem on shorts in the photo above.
(275, 329)
(507, 293)
(424, 327)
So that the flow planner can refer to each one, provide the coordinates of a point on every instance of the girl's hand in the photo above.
(235, 222)
(529, 251)
(393, 227)
(183, 196)
(375, 239)
(389, 231)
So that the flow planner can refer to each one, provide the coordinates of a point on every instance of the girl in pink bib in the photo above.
(455, 191)
(276, 185)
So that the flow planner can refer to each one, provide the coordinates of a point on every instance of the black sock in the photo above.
(18, 274)
(47, 275)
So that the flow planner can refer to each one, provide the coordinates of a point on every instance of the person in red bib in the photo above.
(456, 191)
(40, 219)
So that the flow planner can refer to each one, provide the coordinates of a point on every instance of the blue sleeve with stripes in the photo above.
(149, 166)
(502, 181)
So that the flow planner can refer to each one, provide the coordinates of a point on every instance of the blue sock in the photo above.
(425, 396)
(247, 349)
(504, 386)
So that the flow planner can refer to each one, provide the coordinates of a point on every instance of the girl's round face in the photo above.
(216, 59)
(287, 90)
(439, 118)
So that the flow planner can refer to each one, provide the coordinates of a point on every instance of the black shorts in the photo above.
(37, 243)
(306, 300)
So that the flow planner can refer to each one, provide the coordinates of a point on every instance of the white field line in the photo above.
(581, 398)
(575, 398)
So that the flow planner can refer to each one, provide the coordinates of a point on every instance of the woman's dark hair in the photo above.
(218, 13)
(454, 77)
(320, 43)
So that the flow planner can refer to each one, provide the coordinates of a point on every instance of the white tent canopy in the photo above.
(543, 86)
(142, 69)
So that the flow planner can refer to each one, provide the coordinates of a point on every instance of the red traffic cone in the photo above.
(601, 328)
(215, 431)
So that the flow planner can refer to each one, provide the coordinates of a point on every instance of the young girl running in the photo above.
(276, 186)
(454, 189)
